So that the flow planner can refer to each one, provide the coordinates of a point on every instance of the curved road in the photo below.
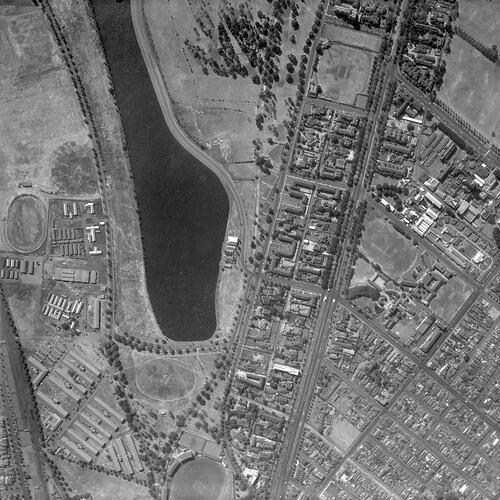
(141, 33)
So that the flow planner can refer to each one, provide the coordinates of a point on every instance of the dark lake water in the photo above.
(184, 207)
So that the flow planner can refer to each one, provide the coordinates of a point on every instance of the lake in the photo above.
(184, 207)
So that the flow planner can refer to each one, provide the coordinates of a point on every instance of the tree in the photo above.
(496, 235)
(260, 255)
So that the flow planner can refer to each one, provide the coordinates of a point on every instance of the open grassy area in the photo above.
(349, 36)
(100, 485)
(164, 379)
(40, 112)
(217, 111)
(450, 298)
(201, 479)
(24, 302)
(167, 383)
(388, 248)
(26, 223)
(342, 433)
(344, 72)
(481, 18)
(479, 104)
(73, 168)
(362, 272)
(229, 290)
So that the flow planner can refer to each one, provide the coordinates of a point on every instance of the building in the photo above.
(74, 275)
(396, 170)
(286, 369)
(94, 308)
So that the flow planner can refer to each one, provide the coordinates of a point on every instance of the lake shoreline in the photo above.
(182, 250)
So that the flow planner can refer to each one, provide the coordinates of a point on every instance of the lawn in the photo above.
(450, 298)
(478, 104)
(26, 223)
(201, 479)
(388, 248)
(344, 72)
(165, 380)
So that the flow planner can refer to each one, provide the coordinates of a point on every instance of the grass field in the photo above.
(362, 272)
(385, 246)
(201, 479)
(481, 18)
(164, 379)
(40, 111)
(479, 104)
(342, 433)
(450, 298)
(405, 329)
(26, 223)
(101, 486)
(344, 72)
(73, 169)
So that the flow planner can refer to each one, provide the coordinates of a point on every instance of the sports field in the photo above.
(388, 248)
(478, 104)
(344, 72)
(450, 298)
(481, 18)
(26, 223)
(164, 379)
(201, 479)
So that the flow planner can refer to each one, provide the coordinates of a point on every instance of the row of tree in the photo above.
(491, 53)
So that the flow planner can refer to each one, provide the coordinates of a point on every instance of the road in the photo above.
(422, 367)
(20, 409)
(424, 243)
(482, 148)
(156, 76)
(420, 363)
(315, 355)
(329, 300)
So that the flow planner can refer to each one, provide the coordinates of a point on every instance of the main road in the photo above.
(155, 74)
(315, 355)
(481, 147)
